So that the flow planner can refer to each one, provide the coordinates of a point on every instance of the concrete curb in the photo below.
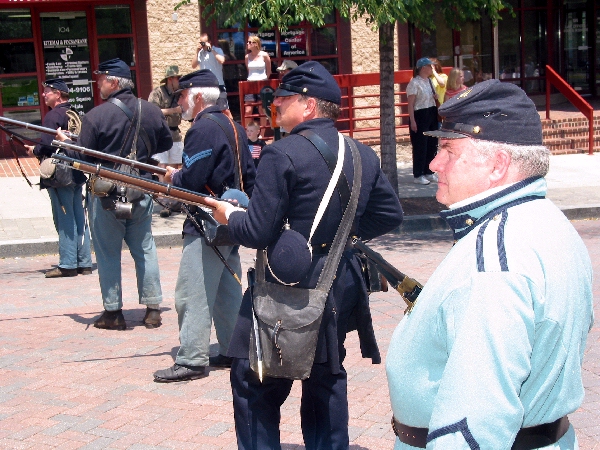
(411, 224)
(37, 247)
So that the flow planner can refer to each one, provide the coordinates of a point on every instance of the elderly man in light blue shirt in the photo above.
(490, 356)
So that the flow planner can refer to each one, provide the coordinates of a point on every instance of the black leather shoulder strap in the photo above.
(143, 134)
(330, 158)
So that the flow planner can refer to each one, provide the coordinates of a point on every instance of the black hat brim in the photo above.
(445, 134)
(284, 93)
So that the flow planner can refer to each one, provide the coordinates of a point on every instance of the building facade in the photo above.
(68, 38)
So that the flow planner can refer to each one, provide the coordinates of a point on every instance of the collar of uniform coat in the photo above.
(462, 220)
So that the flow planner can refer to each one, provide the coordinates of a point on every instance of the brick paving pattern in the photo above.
(65, 384)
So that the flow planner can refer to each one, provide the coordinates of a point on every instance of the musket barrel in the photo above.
(30, 126)
(112, 158)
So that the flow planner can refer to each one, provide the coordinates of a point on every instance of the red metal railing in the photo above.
(359, 116)
(554, 79)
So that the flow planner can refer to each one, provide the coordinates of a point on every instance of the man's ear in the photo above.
(310, 109)
(501, 167)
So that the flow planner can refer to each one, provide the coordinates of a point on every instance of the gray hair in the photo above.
(210, 95)
(124, 83)
(529, 160)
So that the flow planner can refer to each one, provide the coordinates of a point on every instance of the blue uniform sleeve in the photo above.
(54, 119)
(489, 337)
(262, 222)
(383, 212)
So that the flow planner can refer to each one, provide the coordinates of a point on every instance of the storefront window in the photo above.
(113, 19)
(509, 53)
(299, 43)
(323, 41)
(22, 91)
(15, 24)
(535, 46)
(17, 57)
(121, 48)
(438, 43)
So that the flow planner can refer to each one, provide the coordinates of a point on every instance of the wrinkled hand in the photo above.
(169, 175)
(221, 209)
(60, 136)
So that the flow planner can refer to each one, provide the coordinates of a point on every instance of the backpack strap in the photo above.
(143, 134)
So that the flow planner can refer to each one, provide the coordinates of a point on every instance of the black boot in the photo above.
(111, 320)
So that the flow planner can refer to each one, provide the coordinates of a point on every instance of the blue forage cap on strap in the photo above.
(199, 78)
(289, 257)
(491, 111)
(310, 79)
(114, 68)
(57, 83)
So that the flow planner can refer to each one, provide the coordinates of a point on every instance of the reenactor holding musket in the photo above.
(130, 127)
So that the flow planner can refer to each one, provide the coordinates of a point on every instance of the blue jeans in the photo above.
(69, 220)
(205, 289)
(108, 234)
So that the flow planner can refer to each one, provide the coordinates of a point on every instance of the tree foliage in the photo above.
(285, 13)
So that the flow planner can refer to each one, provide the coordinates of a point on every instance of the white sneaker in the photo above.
(432, 177)
(421, 180)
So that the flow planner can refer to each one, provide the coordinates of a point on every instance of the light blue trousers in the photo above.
(205, 290)
(69, 220)
(108, 234)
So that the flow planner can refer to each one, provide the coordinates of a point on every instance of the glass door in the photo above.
(67, 55)
(577, 45)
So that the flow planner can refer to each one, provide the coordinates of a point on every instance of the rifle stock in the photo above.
(407, 287)
(143, 184)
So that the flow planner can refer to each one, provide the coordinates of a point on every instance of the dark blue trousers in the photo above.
(323, 409)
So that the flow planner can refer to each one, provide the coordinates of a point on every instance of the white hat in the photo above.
(287, 65)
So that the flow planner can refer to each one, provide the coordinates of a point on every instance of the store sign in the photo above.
(67, 56)
(293, 42)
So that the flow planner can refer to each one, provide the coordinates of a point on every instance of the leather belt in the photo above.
(174, 128)
(527, 438)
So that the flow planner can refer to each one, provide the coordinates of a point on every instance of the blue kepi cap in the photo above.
(491, 111)
(57, 83)
(310, 79)
(114, 68)
(199, 78)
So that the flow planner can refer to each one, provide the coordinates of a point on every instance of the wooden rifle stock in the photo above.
(143, 184)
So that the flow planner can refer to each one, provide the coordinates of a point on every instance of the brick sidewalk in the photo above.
(65, 384)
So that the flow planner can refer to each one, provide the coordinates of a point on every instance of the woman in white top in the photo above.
(423, 117)
(258, 63)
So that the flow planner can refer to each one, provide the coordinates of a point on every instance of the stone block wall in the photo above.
(172, 42)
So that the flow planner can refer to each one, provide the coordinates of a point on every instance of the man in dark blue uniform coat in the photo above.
(291, 181)
(67, 208)
(205, 288)
(105, 128)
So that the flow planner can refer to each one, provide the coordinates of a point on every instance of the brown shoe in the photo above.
(84, 270)
(111, 320)
(59, 272)
(152, 318)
